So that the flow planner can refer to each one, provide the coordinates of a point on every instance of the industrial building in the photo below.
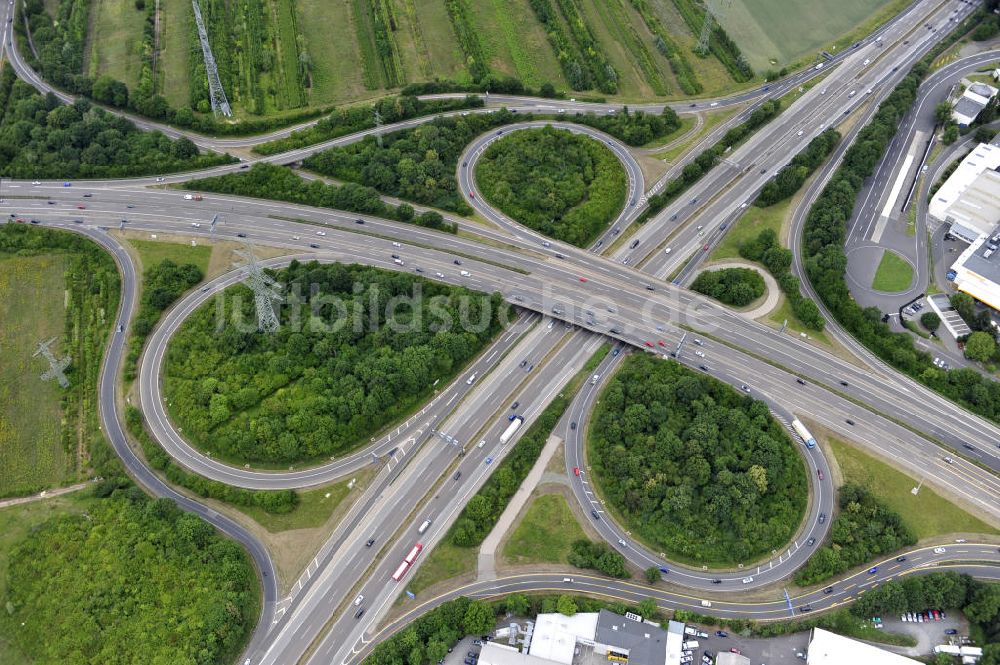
(972, 102)
(592, 638)
(977, 271)
(970, 199)
(826, 648)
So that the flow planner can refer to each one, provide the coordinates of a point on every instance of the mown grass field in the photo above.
(516, 42)
(152, 252)
(753, 221)
(927, 514)
(545, 532)
(32, 308)
(115, 37)
(443, 563)
(781, 31)
(893, 273)
(176, 24)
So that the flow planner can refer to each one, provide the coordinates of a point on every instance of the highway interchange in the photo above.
(898, 419)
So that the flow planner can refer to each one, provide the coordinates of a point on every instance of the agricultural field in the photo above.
(115, 40)
(32, 306)
(774, 33)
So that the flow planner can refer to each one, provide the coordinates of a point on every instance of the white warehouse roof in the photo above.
(556, 635)
(501, 654)
(826, 648)
(983, 157)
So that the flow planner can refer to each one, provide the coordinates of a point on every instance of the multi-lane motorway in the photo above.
(430, 464)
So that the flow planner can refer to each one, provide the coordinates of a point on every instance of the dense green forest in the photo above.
(733, 286)
(414, 164)
(864, 529)
(332, 376)
(599, 557)
(635, 128)
(40, 137)
(282, 184)
(697, 469)
(132, 580)
(567, 186)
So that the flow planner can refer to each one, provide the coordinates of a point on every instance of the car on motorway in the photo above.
(873, 570)
(572, 425)
(241, 235)
(314, 245)
(715, 581)
(371, 541)
(822, 517)
(849, 421)
(584, 279)
(661, 342)
(939, 550)
(576, 471)
(457, 262)
(900, 559)
(948, 459)
(649, 344)
(704, 247)
(745, 388)
(811, 542)
(358, 600)
(800, 382)
(359, 221)
(458, 474)
(621, 541)
(323, 233)
(36, 182)
(829, 589)
(819, 472)
(703, 368)
(360, 613)
(67, 184)
(968, 447)
(88, 195)
(700, 354)
(80, 206)
(595, 514)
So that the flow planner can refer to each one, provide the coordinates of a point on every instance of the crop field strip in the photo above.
(115, 41)
(626, 51)
(686, 79)
(468, 39)
(720, 45)
(515, 42)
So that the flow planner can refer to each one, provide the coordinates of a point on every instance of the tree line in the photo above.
(981, 344)
(864, 529)
(635, 128)
(778, 260)
(789, 179)
(342, 121)
(40, 137)
(734, 286)
(280, 183)
(332, 376)
(597, 556)
(709, 157)
(678, 453)
(415, 164)
(564, 185)
(823, 247)
(128, 580)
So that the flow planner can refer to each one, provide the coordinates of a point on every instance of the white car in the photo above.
(700, 354)
(667, 250)
(36, 182)
(939, 550)
(296, 238)
(196, 225)
(748, 580)
(799, 133)
(321, 233)
(396, 244)
(439, 274)
(357, 601)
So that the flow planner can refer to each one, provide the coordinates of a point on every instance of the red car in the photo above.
(576, 470)
(662, 343)
(736, 651)
(819, 472)
(81, 207)
(649, 344)
(705, 248)
(583, 279)
(472, 195)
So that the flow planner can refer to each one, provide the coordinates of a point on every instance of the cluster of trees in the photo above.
(709, 157)
(483, 510)
(162, 284)
(789, 179)
(358, 348)
(778, 260)
(864, 529)
(504, 85)
(131, 580)
(343, 121)
(583, 62)
(565, 185)
(599, 557)
(275, 502)
(826, 263)
(733, 286)
(281, 183)
(989, 26)
(633, 127)
(415, 164)
(42, 138)
(720, 45)
(981, 344)
(476, 60)
(428, 638)
(678, 453)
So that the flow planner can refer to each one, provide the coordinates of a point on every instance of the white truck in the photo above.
(801, 430)
(511, 428)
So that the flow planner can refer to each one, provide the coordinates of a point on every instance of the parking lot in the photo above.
(767, 651)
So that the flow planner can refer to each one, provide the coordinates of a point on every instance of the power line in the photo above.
(265, 291)
(56, 365)
(216, 93)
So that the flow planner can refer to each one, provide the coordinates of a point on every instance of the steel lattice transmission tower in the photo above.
(265, 291)
(216, 93)
(56, 365)
(378, 128)
(713, 11)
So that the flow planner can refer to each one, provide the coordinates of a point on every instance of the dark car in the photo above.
(829, 589)
(595, 514)
(395, 256)
(805, 608)
(900, 559)
(703, 368)
(811, 542)
(371, 541)
(650, 287)
(457, 262)
(241, 235)
(721, 633)
(822, 517)
(968, 447)
(458, 474)
(314, 245)
(844, 383)
(951, 631)
(473, 654)
(849, 421)
(515, 405)
(800, 382)
(572, 425)
(359, 221)
(359, 613)
(716, 581)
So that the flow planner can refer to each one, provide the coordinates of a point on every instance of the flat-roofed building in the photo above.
(826, 648)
